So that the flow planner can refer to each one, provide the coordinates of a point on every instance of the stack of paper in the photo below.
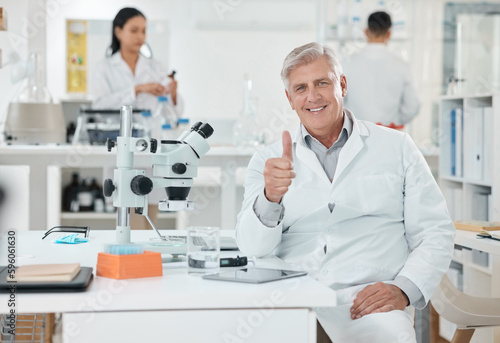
(46, 272)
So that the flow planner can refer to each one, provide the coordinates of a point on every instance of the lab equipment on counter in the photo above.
(95, 126)
(123, 249)
(68, 228)
(34, 123)
(32, 118)
(175, 164)
(246, 131)
(165, 112)
(132, 266)
(203, 249)
(167, 132)
(234, 261)
(71, 239)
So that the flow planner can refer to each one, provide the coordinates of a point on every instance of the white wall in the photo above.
(14, 39)
(210, 63)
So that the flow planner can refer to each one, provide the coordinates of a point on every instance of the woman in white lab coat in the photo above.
(126, 77)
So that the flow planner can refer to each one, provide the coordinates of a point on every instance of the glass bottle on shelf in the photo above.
(70, 194)
(246, 130)
(97, 196)
(85, 199)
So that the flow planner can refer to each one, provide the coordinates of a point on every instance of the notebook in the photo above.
(78, 284)
(45, 272)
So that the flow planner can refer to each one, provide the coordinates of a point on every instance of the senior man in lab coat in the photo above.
(352, 203)
(381, 87)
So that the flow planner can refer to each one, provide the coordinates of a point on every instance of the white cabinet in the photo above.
(469, 173)
(470, 181)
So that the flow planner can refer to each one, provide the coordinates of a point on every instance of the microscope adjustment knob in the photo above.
(141, 185)
(153, 145)
(110, 144)
(108, 187)
(179, 168)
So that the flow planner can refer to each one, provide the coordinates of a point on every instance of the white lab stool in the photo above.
(465, 311)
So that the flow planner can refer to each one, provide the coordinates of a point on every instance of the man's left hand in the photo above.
(376, 298)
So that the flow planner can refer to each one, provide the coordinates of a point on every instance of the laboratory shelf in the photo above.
(481, 269)
(452, 178)
(106, 215)
(88, 215)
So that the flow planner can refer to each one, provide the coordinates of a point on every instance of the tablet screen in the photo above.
(254, 275)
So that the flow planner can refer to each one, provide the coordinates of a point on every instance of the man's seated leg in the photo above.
(387, 327)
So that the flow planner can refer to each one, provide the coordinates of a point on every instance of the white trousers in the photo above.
(387, 327)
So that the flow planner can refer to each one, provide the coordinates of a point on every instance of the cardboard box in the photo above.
(139, 222)
(477, 225)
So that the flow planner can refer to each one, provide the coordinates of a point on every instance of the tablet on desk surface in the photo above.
(254, 275)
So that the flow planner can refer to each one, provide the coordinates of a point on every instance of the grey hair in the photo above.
(306, 54)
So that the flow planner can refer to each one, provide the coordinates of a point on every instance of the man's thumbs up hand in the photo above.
(287, 146)
(278, 172)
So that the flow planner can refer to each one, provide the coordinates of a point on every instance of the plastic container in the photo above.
(246, 131)
(182, 125)
(146, 123)
(166, 112)
(134, 266)
(167, 133)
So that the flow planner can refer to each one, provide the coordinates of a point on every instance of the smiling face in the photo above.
(133, 34)
(316, 95)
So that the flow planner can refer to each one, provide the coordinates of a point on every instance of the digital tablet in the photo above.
(254, 275)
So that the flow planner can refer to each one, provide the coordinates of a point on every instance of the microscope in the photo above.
(175, 164)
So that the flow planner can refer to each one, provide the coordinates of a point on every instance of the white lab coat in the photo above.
(389, 216)
(380, 88)
(113, 84)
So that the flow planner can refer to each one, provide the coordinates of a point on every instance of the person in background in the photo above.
(381, 88)
(128, 78)
(352, 203)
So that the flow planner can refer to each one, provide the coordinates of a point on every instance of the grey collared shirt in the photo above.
(271, 213)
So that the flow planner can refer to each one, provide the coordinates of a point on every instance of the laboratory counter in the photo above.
(176, 307)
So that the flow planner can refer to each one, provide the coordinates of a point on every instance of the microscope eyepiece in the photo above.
(196, 126)
(205, 130)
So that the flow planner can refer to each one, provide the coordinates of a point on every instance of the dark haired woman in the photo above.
(126, 77)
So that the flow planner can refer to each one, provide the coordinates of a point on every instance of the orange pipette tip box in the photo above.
(147, 264)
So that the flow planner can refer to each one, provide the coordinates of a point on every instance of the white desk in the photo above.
(468, 239)
(478, 279)
(41, 159)
(173, 308)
